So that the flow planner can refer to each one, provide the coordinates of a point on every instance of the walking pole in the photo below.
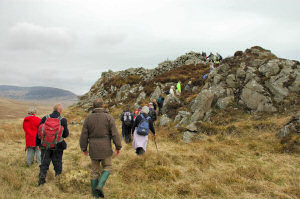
(155, 144)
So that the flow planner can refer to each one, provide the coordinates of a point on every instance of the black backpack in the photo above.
(127, 118)
(152, 114)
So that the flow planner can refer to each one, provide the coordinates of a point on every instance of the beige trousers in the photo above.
(95, 167)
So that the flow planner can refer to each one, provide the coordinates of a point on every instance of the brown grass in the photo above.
(243, 165)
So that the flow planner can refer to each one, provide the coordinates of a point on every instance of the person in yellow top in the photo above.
(178, 88)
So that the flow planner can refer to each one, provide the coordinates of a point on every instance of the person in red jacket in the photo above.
(30, 126)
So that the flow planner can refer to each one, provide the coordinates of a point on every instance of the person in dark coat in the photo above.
(98, 130)
(54, 154)
(160, 103)
(127, 122)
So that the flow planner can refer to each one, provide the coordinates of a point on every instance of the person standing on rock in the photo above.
(50, 139)
(98, 130)
(178, 88)
(171, 92)
(160, 103)
(127, 122)
(141, 127)
(30, 127)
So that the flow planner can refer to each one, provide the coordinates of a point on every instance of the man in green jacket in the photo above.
(97, 132)
(178, 90)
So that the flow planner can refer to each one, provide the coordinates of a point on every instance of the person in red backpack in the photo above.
(137, 112)
(30, 126)
(52, 152)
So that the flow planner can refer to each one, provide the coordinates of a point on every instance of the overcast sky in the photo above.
(68, 43)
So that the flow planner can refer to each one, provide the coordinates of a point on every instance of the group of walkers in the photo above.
(45, 138)
(217, 58)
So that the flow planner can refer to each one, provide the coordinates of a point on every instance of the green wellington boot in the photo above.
(93, 185)
(101, 183)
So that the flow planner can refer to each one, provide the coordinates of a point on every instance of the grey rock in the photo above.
(195, 89)
(293, 126)
(253, 96)
(188, 137)
(203, 101)
(164, 120)
(271, 68)
(192, 127)
(118, 96)
(231, 81)
(170, 100)
(223, 103)
(275, 85)
(156, 93)
(141, 97)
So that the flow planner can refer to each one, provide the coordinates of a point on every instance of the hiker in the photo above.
(140, 131)
(98, 130)
(30, 127)
(137, 112)
(127, 122)
(171, 92)
(220, 58)
(160, 103)
(178, 88)
(203, 54)
(152, 112)
(211, 67)
(50, 140)
(154, 104)
(188, 87)
(210, 57)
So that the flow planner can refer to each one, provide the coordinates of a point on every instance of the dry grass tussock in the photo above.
(239, 165)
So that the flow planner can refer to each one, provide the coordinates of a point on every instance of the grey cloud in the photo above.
(109, 39)
(29, 36)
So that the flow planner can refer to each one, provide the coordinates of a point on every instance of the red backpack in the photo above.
(50, 132)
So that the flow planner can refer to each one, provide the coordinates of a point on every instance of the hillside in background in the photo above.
(38, 93)
(14, 109)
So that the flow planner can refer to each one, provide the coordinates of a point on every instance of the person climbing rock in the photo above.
(160, 103)
(98, 130)
(178, 88)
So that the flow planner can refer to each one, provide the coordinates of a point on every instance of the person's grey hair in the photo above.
(31, 110)
(98, 103)
(58, 107)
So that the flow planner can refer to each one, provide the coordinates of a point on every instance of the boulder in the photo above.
(195, 89)
(170, 102)
(188, 137)
(254, 97)
(270, 69)
(192, 127)
(141, 97)
(202, 104)
(223, 103)
(156, 93)
(164, 120)
(118, 96)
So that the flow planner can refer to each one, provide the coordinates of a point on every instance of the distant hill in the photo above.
(38, 93)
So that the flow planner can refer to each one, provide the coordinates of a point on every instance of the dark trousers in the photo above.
(51, 155)
(159, 110)
(126, 133)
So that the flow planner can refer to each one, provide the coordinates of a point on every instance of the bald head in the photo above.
(58, 108)
(98, 103)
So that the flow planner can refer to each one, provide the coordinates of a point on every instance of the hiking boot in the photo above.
(93, 186)
(41, 181)
(101, 183)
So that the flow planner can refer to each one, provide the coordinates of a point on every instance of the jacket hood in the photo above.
(29, 118)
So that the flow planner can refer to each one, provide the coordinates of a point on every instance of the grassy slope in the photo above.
(245, 164)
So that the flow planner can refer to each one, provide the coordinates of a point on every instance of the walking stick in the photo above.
(155, 144)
